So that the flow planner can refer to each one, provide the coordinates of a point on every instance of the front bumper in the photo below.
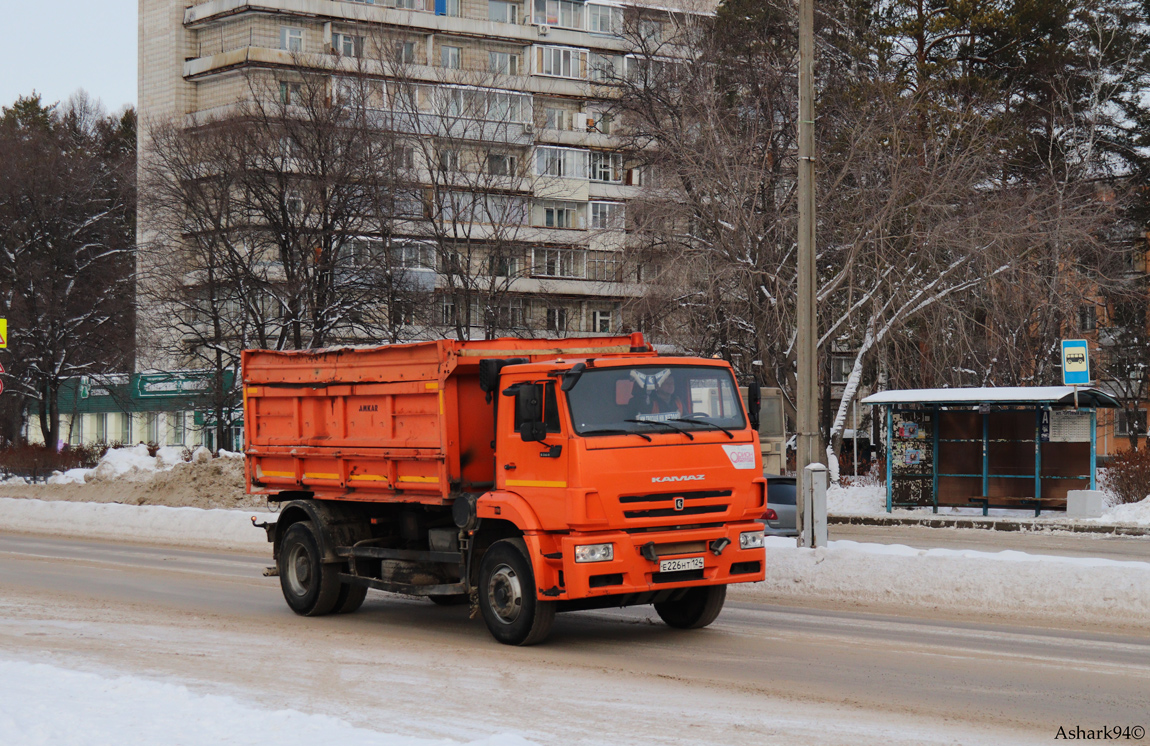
(632, 572)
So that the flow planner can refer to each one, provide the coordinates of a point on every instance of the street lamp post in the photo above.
(807, 416)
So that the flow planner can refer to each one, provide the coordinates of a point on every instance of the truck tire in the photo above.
(351, 596)
(507, 599)
(696, 609)
(310, 587)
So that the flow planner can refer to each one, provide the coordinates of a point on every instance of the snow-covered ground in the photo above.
(45, 705)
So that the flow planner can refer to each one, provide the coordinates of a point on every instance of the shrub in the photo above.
(1128, 476)
(38, 462)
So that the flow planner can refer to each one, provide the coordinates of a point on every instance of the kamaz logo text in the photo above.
(683, 478)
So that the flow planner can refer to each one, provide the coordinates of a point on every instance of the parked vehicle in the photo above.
(781, 517)
(525, 477)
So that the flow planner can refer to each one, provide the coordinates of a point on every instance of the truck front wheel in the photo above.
(696, 609)
(310, 587)
(507, 599)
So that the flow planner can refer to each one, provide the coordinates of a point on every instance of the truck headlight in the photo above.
(600, 552)
(751, 540)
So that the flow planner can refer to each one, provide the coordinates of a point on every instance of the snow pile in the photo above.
(133, 463)
(864, 499)
(1137, 513)
(191, 527)
(997, 584)
(43, 704)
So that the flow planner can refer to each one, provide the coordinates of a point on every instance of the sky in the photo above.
(60, 46)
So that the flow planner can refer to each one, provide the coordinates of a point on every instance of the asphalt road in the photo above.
(760, 674)
(1033, 542)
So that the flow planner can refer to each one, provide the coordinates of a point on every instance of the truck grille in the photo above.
(667, 508)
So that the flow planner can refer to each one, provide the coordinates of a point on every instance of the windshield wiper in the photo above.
(712, 425)
(665, 423)
(616, 431)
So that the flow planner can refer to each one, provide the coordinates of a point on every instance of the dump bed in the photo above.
(404, 422)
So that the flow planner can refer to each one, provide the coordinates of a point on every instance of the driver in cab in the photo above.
(659, 396)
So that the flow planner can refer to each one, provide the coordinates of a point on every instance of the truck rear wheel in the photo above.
(507, 599)
(310, 587)
(698, 608)
(351, 596)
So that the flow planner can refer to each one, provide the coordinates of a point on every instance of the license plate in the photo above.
(675, 565)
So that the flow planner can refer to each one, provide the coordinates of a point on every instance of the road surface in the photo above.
(760, 674)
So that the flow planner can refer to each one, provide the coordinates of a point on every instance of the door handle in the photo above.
(552, 452)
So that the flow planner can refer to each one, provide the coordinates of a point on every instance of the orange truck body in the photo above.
(372, 429)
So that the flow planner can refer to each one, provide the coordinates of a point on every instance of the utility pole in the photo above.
(807, 444)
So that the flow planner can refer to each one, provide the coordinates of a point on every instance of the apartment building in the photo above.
(543, 68)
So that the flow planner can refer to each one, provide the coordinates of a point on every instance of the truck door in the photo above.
(535, 470)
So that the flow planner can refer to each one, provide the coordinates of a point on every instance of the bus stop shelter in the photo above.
(1022, 447)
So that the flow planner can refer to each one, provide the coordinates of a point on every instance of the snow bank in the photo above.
(190, 527)
(123, 462)
(48, 705)
(1137, 513)
(863, 499)
(1000, 584)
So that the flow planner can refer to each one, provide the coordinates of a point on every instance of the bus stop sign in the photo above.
(1075, 363)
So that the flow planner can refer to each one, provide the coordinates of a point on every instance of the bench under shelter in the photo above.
(1011, 447)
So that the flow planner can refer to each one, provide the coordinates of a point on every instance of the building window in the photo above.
(179, 428)
(565, 163)
(413, 255)
(561, 62)
(126, 428)
(76, 434)
(405, 52)
(1127, 419)
(452, 57)
(452, 314)
(604, 67)
(102, 427)
(501, 11)
(841, 367)
(651, 31)
(452, 7)
(608, 215)
(557, 320)
(601, 322)
(409, 4)
(559, 13)
(449, 160)
(152, 426)
(501, 164)
(606, 167)
(347, 45)
(290, 93)
(503, 63)
(291, 39)
(561, 215)
(605, 266)
(402, 313)
(604, 19)
(557, 262)
(1087, 318)
(510, 315)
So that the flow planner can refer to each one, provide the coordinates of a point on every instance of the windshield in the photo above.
(654, 398)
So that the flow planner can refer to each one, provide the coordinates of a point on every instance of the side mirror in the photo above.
(754, 403)
(529, 412)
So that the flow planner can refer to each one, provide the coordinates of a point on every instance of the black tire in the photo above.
(310, 587)
(351, 596)
(696, 609)
(507, 598)
(455, 599)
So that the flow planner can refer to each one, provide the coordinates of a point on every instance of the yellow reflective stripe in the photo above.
(427, 480)
(289, 474)
(432, 386)
(533, 483)
(441, 402)
(320, 476)
(367, 478)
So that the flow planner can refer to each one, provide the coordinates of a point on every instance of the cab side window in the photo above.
(550, 410)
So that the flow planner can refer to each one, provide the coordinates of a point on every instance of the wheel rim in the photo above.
(299, 570)
(505, 593)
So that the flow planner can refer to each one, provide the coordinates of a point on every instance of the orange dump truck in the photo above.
(524, 477)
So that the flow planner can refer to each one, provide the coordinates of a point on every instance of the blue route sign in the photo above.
(1075, 363)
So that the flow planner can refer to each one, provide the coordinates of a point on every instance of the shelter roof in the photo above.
(1061, 395)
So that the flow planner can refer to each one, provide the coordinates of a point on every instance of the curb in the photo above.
(987, 524)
